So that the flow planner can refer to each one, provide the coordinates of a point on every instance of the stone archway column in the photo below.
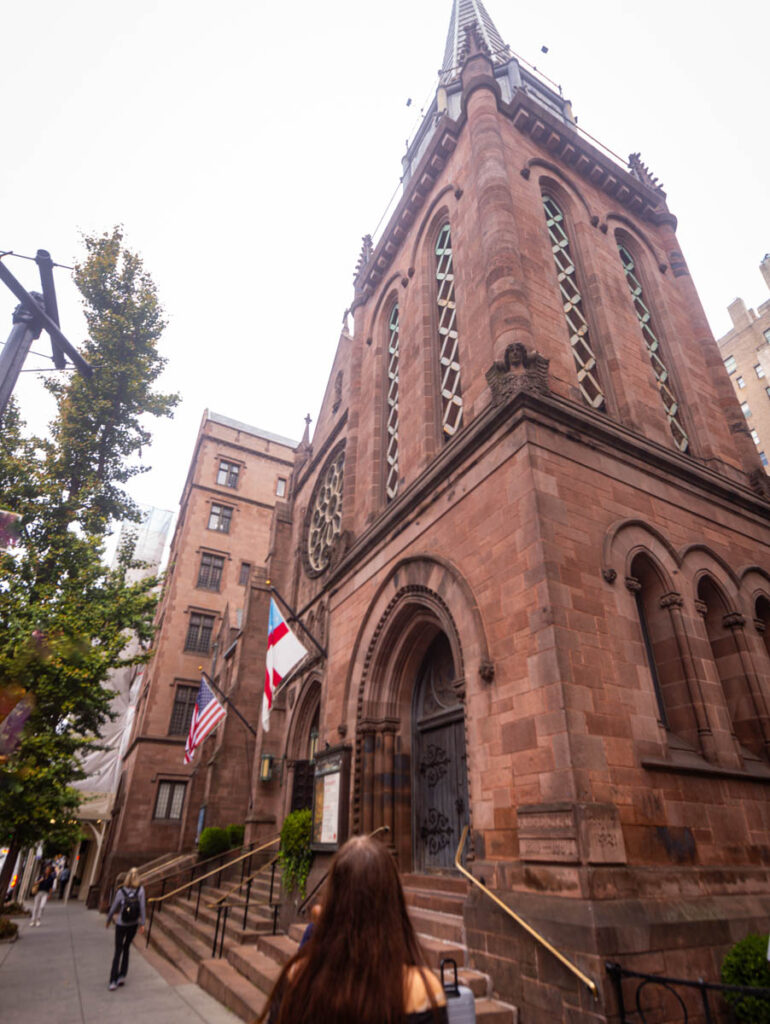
(367, 778)
(389, 780)
(673, 603)
(735, 622)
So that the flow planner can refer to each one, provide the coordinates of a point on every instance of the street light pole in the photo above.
(26, 328)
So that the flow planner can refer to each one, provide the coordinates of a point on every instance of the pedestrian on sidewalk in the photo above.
(64, 876)
(130, 901)
(42, 890)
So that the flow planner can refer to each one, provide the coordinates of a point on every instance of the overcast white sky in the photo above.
(247, 146)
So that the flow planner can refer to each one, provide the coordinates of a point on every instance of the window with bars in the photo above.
(662, 379)
(210, 571)
(391, 451)
(245, 575)
(220, 517)
(759, 370)
(181, 714)
(572, 301)
(731, 364)
(228, 473)
(170, 800)
(740, 382)
(199, 631)
(449, 357)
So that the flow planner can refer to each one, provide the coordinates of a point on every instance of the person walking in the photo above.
(130, 902)
(363, 961)
(42, 890)
(64, 876)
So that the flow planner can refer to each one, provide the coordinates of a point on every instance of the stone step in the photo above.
(436, 950)
(167, 931)
(432, 899)
(492, 1011)
(257, 967)
(204, 927)
(226, 984)
(447, 927)
(278, 947)
(442, 883)
(167, 947)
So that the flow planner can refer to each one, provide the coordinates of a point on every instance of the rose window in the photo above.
(325, 520)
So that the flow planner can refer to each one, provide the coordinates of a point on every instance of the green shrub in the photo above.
(746, 964)
(235, 834)
(296, 856)
(213, 841)
(8, 929)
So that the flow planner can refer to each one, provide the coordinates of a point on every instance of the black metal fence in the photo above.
(655, 999)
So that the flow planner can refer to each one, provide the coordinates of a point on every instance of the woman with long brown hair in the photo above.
(363, 963)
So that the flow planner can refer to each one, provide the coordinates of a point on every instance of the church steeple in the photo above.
(464, 14)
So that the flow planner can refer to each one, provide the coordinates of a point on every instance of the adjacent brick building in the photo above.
(533, 533)
(222, 537)
(746, 352)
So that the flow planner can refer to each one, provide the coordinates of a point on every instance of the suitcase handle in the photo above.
(451, 989)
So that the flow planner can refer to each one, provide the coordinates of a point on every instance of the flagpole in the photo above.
(227, 700)
(295, 617)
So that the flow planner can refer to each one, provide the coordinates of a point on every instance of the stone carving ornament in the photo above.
(323, 523)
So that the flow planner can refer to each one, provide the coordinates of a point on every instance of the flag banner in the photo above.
(284, 651)
(207, 714)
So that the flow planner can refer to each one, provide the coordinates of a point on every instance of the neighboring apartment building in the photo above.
(746, 352)
(236, 476)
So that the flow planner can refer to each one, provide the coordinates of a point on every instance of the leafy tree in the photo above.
(65, 619)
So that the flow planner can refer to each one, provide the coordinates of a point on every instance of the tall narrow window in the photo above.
(210, 571)
(449, 358)
(577, 327)
(391, 453)
(667, 395)
(199, 630)
(227, 475)
(220, 517)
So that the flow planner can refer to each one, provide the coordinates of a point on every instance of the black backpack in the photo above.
(131, 908)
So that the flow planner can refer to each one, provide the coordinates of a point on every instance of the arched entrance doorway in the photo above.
(439, 764)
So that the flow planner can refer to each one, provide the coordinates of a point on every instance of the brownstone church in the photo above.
(531, 535)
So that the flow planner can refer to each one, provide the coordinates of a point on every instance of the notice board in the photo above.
(331, 788)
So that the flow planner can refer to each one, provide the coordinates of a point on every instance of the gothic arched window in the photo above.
(449, 358)
(391, 451)
(662, 379)
(577, 326)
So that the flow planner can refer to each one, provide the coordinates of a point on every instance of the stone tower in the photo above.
(532, 533)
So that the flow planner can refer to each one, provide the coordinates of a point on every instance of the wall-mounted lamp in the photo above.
(266, 767)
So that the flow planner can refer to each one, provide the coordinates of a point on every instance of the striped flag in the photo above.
(207, 714)
(284, 651)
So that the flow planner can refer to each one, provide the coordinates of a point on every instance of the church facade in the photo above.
(532, 534)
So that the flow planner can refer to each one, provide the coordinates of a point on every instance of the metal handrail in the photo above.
(227, 898)
(520, 920)
(216, 871)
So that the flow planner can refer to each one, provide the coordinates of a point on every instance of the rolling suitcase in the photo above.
(461, 1006)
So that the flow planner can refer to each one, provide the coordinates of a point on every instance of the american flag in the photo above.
(207, 714)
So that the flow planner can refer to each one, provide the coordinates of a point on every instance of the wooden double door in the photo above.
(440, 779)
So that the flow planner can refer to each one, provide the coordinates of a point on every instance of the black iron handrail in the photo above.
(618, 972)
(227, 902)
(158, 901)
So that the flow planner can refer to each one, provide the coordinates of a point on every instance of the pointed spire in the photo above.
(464, 14)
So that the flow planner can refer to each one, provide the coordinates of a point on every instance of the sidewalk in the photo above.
(58, 974)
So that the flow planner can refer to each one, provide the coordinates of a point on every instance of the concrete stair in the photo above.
(244, 977)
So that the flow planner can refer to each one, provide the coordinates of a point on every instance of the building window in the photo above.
(767, 392)
(730, 364)
(210, 572)
(449, 356)
(245, 575)
(228, 474)
(745, 409)
(763, 458)
(754, 436)
(767, 336)
(169, 801)
(280, 487)
(572, 302)
(662, 379)
(391, 452)
(759, 370)
(199, 631)
(323, 524)
(181, 715)
(219, 518)
(740, 382)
